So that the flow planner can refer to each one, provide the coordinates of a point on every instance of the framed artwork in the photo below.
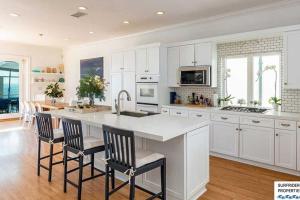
(92, 66)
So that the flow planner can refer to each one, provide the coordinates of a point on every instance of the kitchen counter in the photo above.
(269, 114)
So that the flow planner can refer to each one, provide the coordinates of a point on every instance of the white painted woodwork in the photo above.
(291, 67)
(179, 113)
(187, 55)
(129, 85)
(285, 149)
(298, 146)
(141, 61)
(286, 125)
(173, 65)
(116, 87)
(257, 144)
(117, 62)
(153, 60)
(199, 115)
(129, 61)
(257, 121)
(203, 54)
(225, 118)
(225, 138)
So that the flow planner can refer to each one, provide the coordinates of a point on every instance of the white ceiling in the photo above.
(105, 17)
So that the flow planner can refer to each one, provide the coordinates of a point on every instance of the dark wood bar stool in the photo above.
(120, 155)
(49, 135)
(81, 147)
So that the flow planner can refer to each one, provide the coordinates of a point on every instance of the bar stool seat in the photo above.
(58, 133)
(90, 142)
(146, 157)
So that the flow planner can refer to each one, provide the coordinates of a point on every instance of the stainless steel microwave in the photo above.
(195, 75)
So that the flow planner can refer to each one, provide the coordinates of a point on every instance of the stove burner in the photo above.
(244, 109)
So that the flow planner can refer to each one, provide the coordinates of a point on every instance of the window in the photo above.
(252, 78)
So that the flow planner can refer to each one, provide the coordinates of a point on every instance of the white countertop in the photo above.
(269, 114)
(156, 127)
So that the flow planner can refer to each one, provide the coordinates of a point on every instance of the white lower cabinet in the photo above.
(179, 113)
(224, 138)
(285, 149)
(257, 144)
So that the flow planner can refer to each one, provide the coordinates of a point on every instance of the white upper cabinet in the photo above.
(147, 60)
(173, 65)
(285, 149)
(292, 65)
(203, 54)
(117, 63)
(129, 61)
(187, 55)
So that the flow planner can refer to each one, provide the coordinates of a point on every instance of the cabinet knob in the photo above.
(237, 129)
(285, 83)
(277, 134)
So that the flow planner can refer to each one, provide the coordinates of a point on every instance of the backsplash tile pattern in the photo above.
(291, 98)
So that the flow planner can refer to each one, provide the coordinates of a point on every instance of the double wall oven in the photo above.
(147, 93)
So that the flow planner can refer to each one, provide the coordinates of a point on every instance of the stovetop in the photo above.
(244, 109)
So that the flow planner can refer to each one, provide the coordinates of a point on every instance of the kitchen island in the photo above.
(184, 142)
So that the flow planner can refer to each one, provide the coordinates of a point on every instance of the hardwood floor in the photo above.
(18, 180)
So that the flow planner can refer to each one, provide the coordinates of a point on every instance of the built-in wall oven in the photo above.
(147, 93)
(199, 75)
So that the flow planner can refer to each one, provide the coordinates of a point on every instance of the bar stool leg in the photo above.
(132, 188)
(50, 163)
(92, 164)
(65, 169)
(80, 177)
(112, 178)
(106, 182)
(39, 157)
(163, 180)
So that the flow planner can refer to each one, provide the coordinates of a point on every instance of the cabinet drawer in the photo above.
(200, 115)
(165, 111)
(286, 125)
(225, 118)
(255, 121)
(179, 112)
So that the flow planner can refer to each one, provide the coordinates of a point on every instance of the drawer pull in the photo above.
(165, 111)
(199, 115)
(256, 121)
(224, 118)
(285, 125)
(178, 113)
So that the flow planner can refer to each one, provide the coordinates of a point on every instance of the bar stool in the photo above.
(81, 147)
(120, 155)
(49, 135)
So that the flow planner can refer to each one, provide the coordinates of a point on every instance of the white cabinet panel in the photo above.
(286, 125)
(187, 55)
(129, 61)
(225, 138)
(116, 87)
(179, 112)
(141, 61)
(225, 118)
(129, 85)
(257, 144)
(153, 60)
(285, 149)
(203, 54)
(173, 65)
(291, 67)
(117, 62)
(255, 121)
(199, 115)
(298, 146)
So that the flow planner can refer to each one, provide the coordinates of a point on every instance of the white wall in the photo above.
(251, 20)
(37, 55)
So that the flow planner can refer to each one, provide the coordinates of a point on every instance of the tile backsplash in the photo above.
(290, 98)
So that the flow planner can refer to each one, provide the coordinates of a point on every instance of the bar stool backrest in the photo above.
(73, 134)
(119, 147)
(44, 125)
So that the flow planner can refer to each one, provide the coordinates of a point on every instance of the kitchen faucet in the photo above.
(117, 105)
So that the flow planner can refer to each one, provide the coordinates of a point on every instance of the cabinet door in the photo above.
(173, 65)
(153, 60)
(298, 146)
(129, 85)
(116, 87)
(225, 138)
(129, 61)
(285, 149)
(257, 144)
(187, 55)
(291, 68)
(203, 54)
(117, 62)
(141, 61)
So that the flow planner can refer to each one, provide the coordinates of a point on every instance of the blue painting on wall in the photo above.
(92, 66)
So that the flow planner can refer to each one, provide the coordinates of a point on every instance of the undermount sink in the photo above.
(136, 114)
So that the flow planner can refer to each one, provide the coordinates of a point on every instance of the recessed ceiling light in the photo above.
(14, 14)
(82, 8)
(91, 32)
(125, 22)
(160, 12)
(41, 34)
(66, 39)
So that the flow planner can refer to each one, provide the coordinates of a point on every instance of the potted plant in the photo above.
(225, 101)
(54, 91)
(91, 86)
(276, 102)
